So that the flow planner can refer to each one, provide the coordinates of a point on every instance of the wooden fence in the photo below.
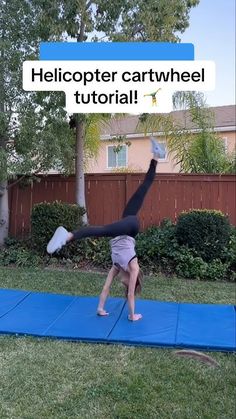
(107, 194)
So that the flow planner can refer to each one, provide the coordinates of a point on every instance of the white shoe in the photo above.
(58, 240)
(157, 149)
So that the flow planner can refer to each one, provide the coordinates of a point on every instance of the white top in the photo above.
(122, 250)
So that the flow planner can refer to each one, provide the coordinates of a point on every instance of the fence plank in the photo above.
(107, 194)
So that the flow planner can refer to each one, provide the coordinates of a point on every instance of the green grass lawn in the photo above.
(42, 378)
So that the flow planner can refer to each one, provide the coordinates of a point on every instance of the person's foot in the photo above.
(135, 317)
(102, 312)
(58, 240)
(157, 149)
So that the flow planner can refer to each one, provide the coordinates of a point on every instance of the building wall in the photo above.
(139, 156)
(230, 138)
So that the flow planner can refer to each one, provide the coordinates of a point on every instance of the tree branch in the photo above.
(103, 37)
(17, 181)
(80, 37)
(88, 4)
(24, 176)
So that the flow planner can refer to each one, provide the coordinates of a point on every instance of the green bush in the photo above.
(94, 251)
(217, 270)
(46, 217)
(157, 246)
(189, 266)
(17, 253)
(205, 231)
(90, 251)
(194, 267)
(230, 251)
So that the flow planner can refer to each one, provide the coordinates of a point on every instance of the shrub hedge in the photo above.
(18, 253)
(206, 231)
(170, 248)
(46, 217)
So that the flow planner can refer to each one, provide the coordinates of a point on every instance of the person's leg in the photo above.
(133, 273)
(128, 226)
(105, 291)
(135, 202)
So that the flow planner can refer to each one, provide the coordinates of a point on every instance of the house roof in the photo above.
(224, 117)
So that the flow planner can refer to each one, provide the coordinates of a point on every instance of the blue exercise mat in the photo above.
(157, 327)
(10, 299)
(207, 324)
(164, 324)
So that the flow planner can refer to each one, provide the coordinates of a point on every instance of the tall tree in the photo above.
(14, 45)
(34, 129)
(123, 20)
(27, 143)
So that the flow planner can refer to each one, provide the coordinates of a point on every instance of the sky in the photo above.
(212, 31)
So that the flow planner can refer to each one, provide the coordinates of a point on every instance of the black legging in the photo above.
(129, 224)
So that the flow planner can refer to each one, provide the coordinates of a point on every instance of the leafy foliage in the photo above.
(191, 139)
(46, 217)
(157, 248)
(205, 231)
(92, 252)
(201, 151)
(18, 253)
(33, 125)
(143, 20)
(230, 252)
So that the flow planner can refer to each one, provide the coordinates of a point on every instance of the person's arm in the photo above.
(105, 291)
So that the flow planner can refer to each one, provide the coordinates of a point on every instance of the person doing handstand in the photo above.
(123, 233)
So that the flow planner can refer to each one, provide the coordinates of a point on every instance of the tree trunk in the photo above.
(79, 167)
(79, 152)
(4, 212)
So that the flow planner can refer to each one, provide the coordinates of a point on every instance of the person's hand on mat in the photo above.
(101, 312)
(135, 317)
